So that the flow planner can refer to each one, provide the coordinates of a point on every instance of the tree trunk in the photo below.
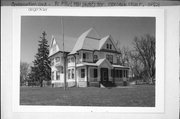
(41, 83)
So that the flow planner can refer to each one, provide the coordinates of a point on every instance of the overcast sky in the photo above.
(122, 29)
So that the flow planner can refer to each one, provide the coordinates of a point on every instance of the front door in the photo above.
(104, 75)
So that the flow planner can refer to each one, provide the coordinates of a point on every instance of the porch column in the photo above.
(99, 73)
(87, 77)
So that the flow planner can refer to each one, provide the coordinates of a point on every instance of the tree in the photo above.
(41, 69)
(24, 67)
(145, 49)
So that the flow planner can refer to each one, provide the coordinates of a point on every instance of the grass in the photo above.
(130, 96)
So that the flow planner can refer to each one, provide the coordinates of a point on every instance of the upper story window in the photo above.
(110, 46)
(84, 55)
(52, 62)
(72, 59)
(57, 59)
(69, 73)
(107, 46)
(95, 58)
(109, 58)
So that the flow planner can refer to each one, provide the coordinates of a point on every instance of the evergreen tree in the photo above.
(41, 69)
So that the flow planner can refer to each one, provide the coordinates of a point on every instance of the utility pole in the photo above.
(64, 55)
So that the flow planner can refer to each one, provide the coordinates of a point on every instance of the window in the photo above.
(57, 75)
(107, 46)
(112, 73)
(57, 59)
(109, 58)
(62, 69)
(69, 73)
(52, 75)
(95, 58)
(72, 59)
(126, 73)
(82, 73)
(117, 74)
(110, 46)
(72, 74)
(120, 72)
(95, 73)
(84, 55)
(52, 62)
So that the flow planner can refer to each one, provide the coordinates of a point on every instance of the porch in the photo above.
(100, 74)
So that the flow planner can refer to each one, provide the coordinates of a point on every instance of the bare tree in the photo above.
(145, 48)
(24, 68)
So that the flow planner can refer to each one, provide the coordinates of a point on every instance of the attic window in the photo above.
(110, 46)
(107, 46)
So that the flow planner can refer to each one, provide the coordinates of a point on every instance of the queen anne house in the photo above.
(91, 61)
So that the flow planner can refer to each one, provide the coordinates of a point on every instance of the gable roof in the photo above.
(68, 43)
(103, 40)
(88, 40)
(101, 61)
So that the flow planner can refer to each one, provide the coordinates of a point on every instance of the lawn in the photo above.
(133, 96)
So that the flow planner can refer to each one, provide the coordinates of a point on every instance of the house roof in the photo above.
(88, 40)
(102, 41)
(119, 66)
(68, 43)
(101, 61)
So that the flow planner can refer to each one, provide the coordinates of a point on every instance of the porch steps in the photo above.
(107, 84)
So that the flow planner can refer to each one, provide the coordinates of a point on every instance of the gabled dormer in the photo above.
(107, 43)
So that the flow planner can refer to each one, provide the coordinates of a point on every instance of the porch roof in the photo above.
(99, 62)
(120, 66)
(86, 63)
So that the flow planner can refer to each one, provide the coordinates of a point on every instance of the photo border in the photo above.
(158, 13)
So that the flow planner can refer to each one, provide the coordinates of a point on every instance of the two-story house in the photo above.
(91, 61)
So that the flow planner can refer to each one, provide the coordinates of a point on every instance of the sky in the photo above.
(122, 29)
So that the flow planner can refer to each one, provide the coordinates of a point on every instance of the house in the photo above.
(90, 61)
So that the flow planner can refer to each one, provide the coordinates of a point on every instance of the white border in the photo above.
(119, 12)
